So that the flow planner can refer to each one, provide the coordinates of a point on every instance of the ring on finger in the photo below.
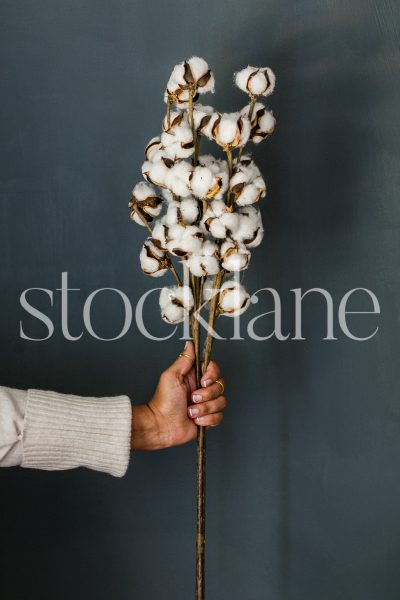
(221, 383)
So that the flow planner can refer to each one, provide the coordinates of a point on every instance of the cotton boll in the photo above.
(156, 172)
(190, 210)
(185, 211)
(177, 139)
(178, 131)
(231, 222)
(206, 262)
(201, 117)
(249, 195)
(177, 178)
(231, 130)
(172, 216)
(221, 172)
(250, 231)
(227, 130)
(201, 181)
(208, 124)
(146, 202)
(242, 77)
(160, 234)
(247, 185)
(191, 74)
(218, 208)
(177, 78)
(256, 81)
(262, 122)
(234, 256)
(176, 303)
(152, 148)
(204, 183)
(153, 260)
(233, 299)
(218, 221)
(202, 75)
(184, 240)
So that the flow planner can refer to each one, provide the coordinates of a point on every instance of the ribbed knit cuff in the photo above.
(64, 432)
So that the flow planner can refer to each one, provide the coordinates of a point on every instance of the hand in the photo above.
(177, 407)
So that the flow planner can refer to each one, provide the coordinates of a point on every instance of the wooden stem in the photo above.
(201, 454)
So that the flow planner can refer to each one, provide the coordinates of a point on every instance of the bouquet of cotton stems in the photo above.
(201, 211)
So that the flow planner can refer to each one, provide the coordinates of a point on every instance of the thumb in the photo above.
(185, 360)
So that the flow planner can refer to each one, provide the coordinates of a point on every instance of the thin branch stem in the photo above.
(201, 452)
(142, 217)
(191, 121)
(251, 110)
(230, 168)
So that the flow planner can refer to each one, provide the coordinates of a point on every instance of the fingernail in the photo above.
(186, 345)
(193, 411)
(199, 419)
(206, 382)
(196, 397)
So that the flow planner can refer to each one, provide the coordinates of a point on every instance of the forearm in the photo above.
(46, 430)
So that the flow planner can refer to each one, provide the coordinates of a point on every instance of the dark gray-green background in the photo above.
(303, 476)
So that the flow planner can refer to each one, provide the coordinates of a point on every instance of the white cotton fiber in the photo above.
(175, 303)
(233, 299)
(256, 81)
(155, 172)
(206, 261)
(250, 231)
(152, 259)
(234, 256)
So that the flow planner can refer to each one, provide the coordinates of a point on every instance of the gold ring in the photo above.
(186, 356)
(221, 384)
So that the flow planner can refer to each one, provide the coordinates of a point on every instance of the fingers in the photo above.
(185, 360)
(209, 393)
(208, 414)
(211, 374)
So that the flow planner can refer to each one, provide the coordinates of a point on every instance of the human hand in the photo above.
(177, 407)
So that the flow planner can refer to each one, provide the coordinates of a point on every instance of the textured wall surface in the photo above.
(303, 477)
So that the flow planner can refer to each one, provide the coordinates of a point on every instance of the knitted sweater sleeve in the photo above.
(51, 431)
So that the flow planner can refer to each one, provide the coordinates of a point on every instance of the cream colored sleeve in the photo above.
(47, 430)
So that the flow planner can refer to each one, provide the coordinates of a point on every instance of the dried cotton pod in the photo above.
(231, 130)
(177, 179)
(156, 172)
(256, 81)
(185, 211)
(206, 262)
(233, 299)
(160, 234)
(184, 240)
(201, 117)
(250, 231)
(219, 221)
(191, 75)
(153, 261)
(262, 122)
(177, 138)
(176, 303)
(220, 170)
(234, 256)
(204, 183)
(247, 185)
(144, 201)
